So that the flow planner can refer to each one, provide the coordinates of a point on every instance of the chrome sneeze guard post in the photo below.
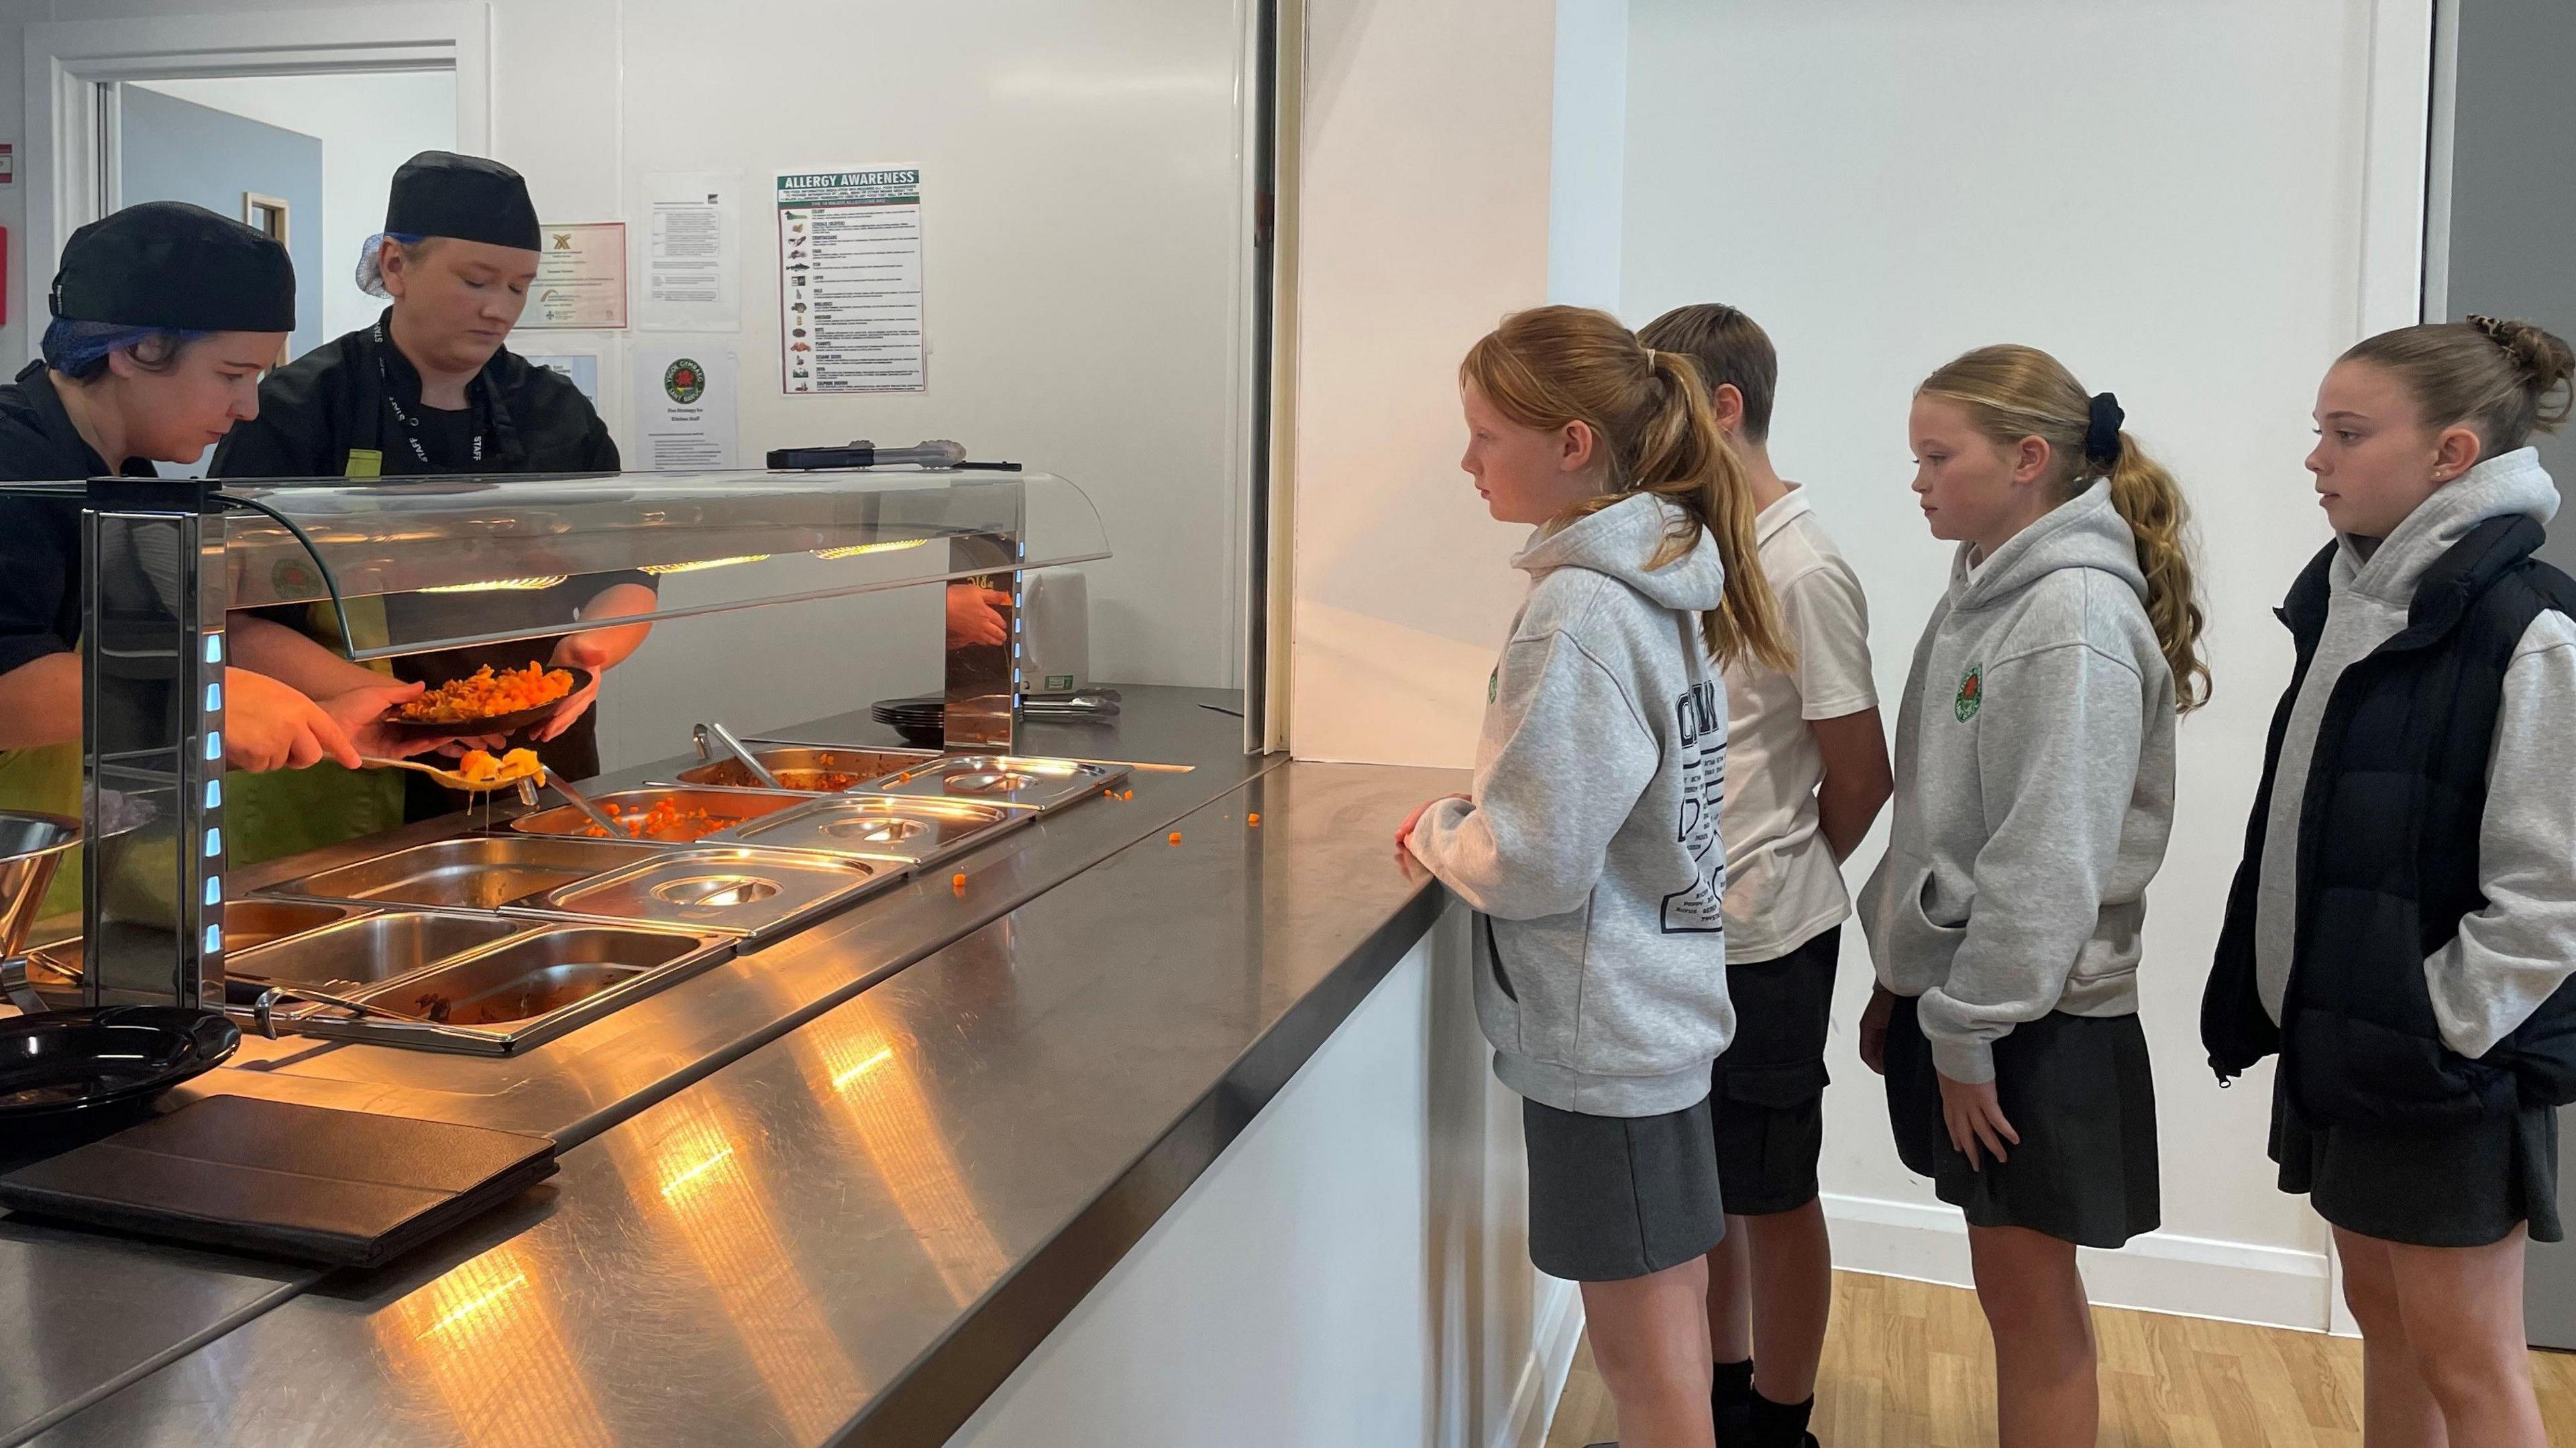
(982, 710)
(152, 701)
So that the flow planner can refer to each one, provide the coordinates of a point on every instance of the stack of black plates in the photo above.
(921, 719)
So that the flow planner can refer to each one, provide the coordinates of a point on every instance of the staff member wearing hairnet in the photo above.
(164, 315)
(429, 389)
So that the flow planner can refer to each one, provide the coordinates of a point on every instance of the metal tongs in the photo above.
(759, 771)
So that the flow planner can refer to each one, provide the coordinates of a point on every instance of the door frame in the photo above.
(71, 67)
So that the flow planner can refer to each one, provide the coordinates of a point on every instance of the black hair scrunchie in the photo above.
(2102, 430)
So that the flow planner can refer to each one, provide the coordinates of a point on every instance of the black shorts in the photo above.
(2454, 1186)
(1769, 1087)
(1615, 1197)
(2080, 1093)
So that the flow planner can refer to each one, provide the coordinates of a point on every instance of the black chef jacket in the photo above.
(40, 551)
(351, 396)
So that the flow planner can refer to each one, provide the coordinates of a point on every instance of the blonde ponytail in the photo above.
(1549, 366)
(2016, 392)
(2150, 501)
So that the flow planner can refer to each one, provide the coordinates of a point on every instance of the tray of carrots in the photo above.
(488, 701)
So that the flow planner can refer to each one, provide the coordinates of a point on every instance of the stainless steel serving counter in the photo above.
(830, 1192)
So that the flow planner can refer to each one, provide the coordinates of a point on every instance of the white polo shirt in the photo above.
(1783, 888)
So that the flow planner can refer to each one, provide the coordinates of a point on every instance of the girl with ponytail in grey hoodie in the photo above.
(2034, 793)
(1590, 846)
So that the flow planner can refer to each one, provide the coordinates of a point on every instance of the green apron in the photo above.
(289, 811)
(47, 779)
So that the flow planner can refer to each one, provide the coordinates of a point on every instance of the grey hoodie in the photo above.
(2509, 956)
(1591, 842)
(2034, 790)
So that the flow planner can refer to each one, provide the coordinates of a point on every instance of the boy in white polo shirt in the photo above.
(1806, 773)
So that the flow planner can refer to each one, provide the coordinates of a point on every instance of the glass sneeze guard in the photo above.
(493, 559)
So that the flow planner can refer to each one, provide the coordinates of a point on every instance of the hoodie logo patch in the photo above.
(1972, 692)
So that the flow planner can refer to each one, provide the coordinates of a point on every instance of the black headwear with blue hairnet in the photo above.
(175, 267)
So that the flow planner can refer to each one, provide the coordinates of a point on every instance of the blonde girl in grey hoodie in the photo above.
(2403, 927)
(1590, 846)
(2034, 793)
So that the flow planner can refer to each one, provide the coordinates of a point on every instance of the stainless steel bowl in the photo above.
(32, 847)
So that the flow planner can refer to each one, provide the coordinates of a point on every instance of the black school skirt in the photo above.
(2458, 1186)
(2082, 1095)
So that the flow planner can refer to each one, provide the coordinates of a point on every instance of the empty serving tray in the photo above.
(1042, 784)
(918, 829)
(662, 815)
(372, 948)
(754, 893)
(476, 873)
(534, 985)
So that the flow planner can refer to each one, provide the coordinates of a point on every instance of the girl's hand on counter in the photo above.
(1975, 1118)
(1873, 1028)
(268, 726)
(1404, 831)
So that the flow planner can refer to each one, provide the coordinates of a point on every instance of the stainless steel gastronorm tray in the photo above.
(481, 872)
(757, 894)
(725, 808)
(535, 984)
(1044, 784)
(804, 767)
(920, 830)
(372, 948)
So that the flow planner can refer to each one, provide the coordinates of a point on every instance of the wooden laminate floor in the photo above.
(1909, 1363)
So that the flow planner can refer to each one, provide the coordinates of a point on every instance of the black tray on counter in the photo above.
(306, 1183)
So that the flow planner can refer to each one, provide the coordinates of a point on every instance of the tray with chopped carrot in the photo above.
(489, 701)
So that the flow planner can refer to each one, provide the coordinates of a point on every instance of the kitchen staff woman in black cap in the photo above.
(164, 315)
(429, 389)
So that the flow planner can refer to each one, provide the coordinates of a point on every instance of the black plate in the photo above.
(81, 1060)
(510, 723)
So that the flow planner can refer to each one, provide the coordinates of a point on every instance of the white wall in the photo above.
(1085, 261)
(1367, 1237)
(2169, 197)
(1423, 221)
(1588, 147)
(368, 125)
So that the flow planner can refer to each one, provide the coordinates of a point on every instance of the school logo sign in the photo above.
(684, 381)
(1972, 693)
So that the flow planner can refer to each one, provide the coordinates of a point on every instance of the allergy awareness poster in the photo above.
(849, 281)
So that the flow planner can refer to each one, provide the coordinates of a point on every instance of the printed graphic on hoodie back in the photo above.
(1701, 718)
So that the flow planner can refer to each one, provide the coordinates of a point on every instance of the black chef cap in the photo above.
(471, 198)
(170, 264)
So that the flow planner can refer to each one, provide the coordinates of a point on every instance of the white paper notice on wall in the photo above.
(849, 281)
(684, 408)
(581, 369)
(581, 276)
(692, 252)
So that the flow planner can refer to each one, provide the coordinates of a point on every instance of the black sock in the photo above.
(1731, 1384)
(1778, 1425)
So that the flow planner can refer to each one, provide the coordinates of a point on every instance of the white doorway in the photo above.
(330, 141)
(365, 84)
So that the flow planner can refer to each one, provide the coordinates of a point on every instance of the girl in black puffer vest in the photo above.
(2403, 927)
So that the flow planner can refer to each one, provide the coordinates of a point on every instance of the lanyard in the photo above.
(410, 422)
